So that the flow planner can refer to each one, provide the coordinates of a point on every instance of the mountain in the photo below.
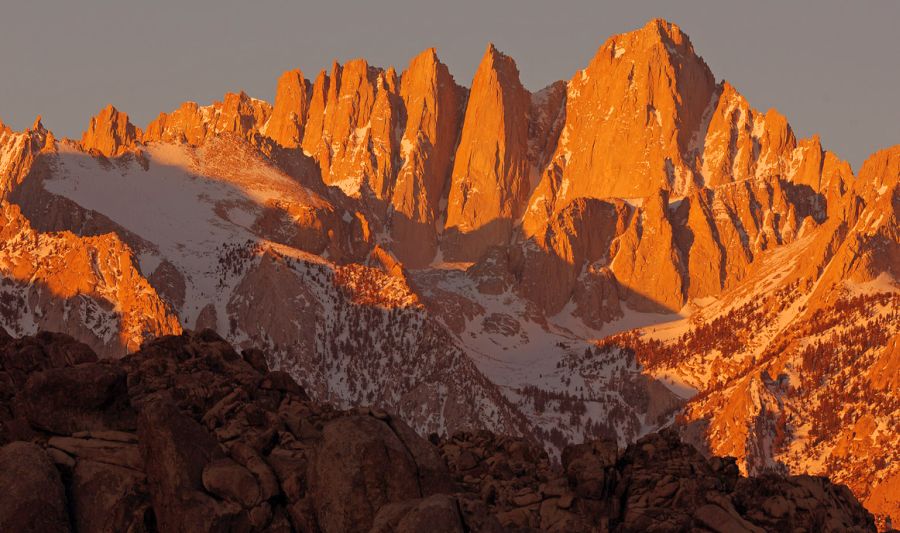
(186, 434)
(633, 249)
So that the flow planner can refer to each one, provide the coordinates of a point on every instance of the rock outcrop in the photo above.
(222, 444)
(89, 286)
(237, 114)
(491, 172)
(110, 134)
(285, 126)
(432, 102)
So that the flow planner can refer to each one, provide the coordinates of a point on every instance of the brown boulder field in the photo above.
(222, 445)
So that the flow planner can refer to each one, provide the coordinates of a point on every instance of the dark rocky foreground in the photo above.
(188, 435)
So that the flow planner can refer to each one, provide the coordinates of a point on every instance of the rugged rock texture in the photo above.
(222, 444)
(432, 102)
(285, 126)
(237, 114)
(644, 92)
(110, 134)
(34, 499)
(491, 172)
(88, 286)
(350, 130)
(647, 262)
(580, 236)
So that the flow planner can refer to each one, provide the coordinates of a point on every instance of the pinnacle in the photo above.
(292, 72)
(493, 54)
(656, 32)
(661, 25)
(426, 60)
(430, 53)
(499, 61)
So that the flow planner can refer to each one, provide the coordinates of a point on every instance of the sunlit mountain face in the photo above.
(631, 250)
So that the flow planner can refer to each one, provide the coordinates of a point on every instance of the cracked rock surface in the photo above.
(187, 434)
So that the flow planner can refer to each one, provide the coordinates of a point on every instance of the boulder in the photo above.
(360, 465)
(34, 499)
(231, 481)
(90, 396)
(110, 498)
(176, 450)
(435, 514)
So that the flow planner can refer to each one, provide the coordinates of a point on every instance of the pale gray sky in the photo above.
(830, 66)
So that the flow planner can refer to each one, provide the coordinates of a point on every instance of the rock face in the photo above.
(111, 133)
(34, 498)
(491, 172)
(88, 286)
(285, 126)
(647, 262)
(221, 444)
(81, 398)
(432, 101)
(363, 466)
(644, 91)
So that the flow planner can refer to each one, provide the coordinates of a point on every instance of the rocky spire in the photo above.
(285, 126)
(490, 182)
(110, 133)
(432, 102)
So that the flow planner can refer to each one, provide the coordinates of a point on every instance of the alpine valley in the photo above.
(633, 249)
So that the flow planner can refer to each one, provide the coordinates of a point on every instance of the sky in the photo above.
(831, 66)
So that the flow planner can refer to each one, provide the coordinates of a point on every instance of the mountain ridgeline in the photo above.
(632, 249)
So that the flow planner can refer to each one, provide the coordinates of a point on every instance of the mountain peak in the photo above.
(646, 86)
(431, 99)
(664, 29)
(492, 55)
(490, 182)
(429, 54)
(289, 114)
(425, 60)
(657, 40)
(507, 72)
(110, 133)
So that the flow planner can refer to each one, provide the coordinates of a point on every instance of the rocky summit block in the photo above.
(186, 434)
